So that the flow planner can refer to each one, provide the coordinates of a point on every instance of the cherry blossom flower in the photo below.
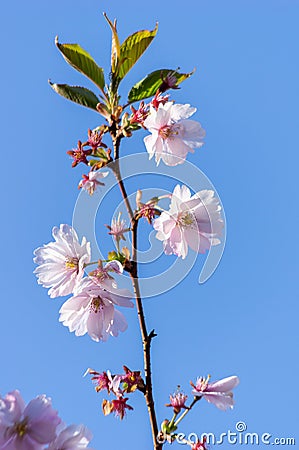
(159, 99)
(26, 427)
(118, 406)
(139, 115)
(79, 154)
(91, 181)
(91, 309)
(172, 135)
(95, 139)
(219, 392)
(73, 437)
(101, 380)
(147, 210)
(177, 401)
(118, 228)
(168, 82)
(61, 263)
(132, 380)
(114, 383)
(193, 221)
(102, 273)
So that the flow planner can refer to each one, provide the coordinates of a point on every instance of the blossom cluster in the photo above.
(37, 426)
(92, 307)
(218, 393)
(191, 221)
(118, 385)
(99, 157)
(173, 136)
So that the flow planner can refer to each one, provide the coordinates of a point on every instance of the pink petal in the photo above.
(198, 242)
(119, 323)
(180, 111)
(222, 402)
(192, 133)
(224, 385)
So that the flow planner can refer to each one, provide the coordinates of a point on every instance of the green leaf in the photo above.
(152, 82)
(78, 58)
(132, 48)
(76, 94)
(115, 45)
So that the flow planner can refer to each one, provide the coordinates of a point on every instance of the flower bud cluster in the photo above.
(99, 155)
(117, 385)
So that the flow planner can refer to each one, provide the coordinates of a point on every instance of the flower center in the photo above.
(168, 131)
(71, 263)
(202, 383)
(20, 428)
(97, 304)
(186, 219)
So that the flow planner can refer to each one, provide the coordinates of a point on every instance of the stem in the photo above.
(146, 337)
(91, 263)
(195, 400)
(172, 420)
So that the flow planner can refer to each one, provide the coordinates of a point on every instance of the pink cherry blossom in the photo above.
(119, 406)
(106, 380)
(193, 221)
(172, 136)
(139, 115)
(177, 401)
(95, 139)
(101, 379)
(132, 380)
(114, 383)
(118, 228)
(61, 263)
(102, 273)
(158, 99)
(26, 427)
(219, 392)
(73, 437)
(91, 181)
(91, 309)
(79, 154)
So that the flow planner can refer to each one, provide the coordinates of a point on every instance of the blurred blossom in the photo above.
(26, 427)
(73, 437)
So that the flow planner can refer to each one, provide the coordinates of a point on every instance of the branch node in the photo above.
(152, 335)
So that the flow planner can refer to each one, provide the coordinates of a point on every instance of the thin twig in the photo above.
(195, 400)
(146, 337)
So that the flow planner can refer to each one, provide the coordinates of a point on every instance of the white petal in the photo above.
(179, 111)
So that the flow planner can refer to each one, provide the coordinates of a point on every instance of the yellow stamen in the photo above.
(71, 263)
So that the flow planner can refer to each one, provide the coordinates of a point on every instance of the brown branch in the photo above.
(146, 337)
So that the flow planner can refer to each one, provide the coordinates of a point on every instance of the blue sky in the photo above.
(244, 320)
